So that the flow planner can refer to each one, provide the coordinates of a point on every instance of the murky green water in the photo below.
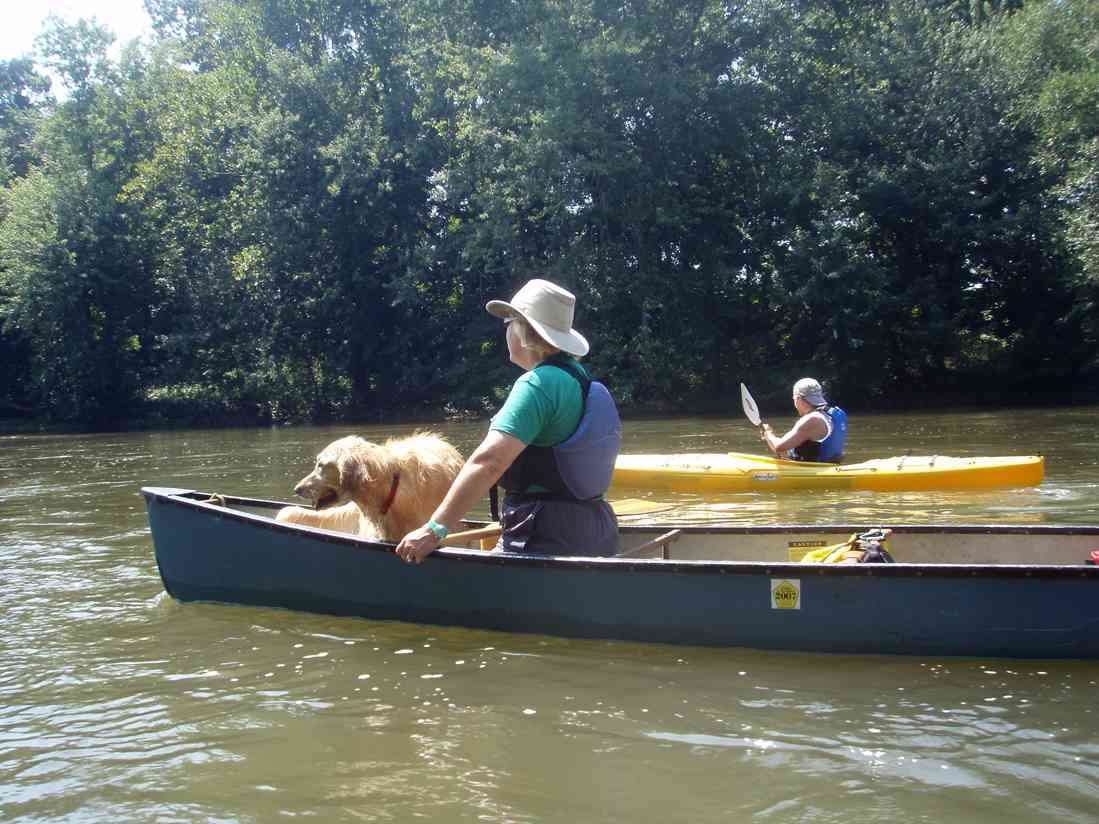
(117, 703)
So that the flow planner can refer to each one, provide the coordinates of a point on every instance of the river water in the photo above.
(118, 703)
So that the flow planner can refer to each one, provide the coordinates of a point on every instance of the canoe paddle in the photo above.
(751, 411)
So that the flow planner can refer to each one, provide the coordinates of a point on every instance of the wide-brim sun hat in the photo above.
(549, 310)
(810, 391)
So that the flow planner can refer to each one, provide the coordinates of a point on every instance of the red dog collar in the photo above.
(392, 492)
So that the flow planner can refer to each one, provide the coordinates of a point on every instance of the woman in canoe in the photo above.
(820, 432)
(552, 446)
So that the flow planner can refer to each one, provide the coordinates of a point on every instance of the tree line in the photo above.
(285, 210)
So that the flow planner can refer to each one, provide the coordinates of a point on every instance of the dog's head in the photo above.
(330, 484)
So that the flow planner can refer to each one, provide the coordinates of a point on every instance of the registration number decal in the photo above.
(785, 593)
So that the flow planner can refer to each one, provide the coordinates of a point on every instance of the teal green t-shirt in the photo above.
(543, 407)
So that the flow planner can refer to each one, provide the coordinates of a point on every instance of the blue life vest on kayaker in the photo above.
(830, 450)
(580, 467)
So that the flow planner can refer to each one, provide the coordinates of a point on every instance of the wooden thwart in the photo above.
(490, 531)
(661, 541)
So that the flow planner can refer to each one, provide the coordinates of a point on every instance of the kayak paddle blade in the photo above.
(751, 411)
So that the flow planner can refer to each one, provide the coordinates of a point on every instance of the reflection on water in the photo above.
(116, 702)
(1011, 506)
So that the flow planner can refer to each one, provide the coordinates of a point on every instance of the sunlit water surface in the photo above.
(119, 704)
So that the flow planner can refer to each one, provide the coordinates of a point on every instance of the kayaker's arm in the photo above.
(810, 427)
(483, 469)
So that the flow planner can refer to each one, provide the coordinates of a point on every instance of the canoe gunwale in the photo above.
(191, 499)
(192, 496)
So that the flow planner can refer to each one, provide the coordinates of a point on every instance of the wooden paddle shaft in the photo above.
(488, 531)
(626, 506)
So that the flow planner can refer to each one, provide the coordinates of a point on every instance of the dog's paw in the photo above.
(291, 515)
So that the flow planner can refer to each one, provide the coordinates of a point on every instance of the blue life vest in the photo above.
(580, 467)
(830, 450)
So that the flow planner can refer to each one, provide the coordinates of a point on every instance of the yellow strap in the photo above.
(849, 550)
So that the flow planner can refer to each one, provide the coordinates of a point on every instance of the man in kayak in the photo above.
(820, 432)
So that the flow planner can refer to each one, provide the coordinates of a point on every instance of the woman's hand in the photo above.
(417, 545)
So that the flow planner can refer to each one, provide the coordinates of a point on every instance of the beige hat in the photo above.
(548, 309)
(810, 391)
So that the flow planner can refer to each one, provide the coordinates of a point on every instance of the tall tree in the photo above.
(77, 291)
(22, 95)
(22, 98)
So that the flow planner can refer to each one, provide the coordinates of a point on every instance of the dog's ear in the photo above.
(365, 462)
(341, 468)
(352, 469)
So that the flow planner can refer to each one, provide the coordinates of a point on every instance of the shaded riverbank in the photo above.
(773, 403)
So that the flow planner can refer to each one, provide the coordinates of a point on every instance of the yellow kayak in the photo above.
(743, 472)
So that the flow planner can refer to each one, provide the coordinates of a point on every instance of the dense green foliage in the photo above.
(296, 210)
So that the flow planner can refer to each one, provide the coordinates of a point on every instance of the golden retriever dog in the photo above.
(376, 490)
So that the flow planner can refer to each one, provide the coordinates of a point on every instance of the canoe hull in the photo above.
(741, 472)
(209, 553)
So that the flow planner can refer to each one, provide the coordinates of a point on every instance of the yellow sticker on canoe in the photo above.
(785, 593)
